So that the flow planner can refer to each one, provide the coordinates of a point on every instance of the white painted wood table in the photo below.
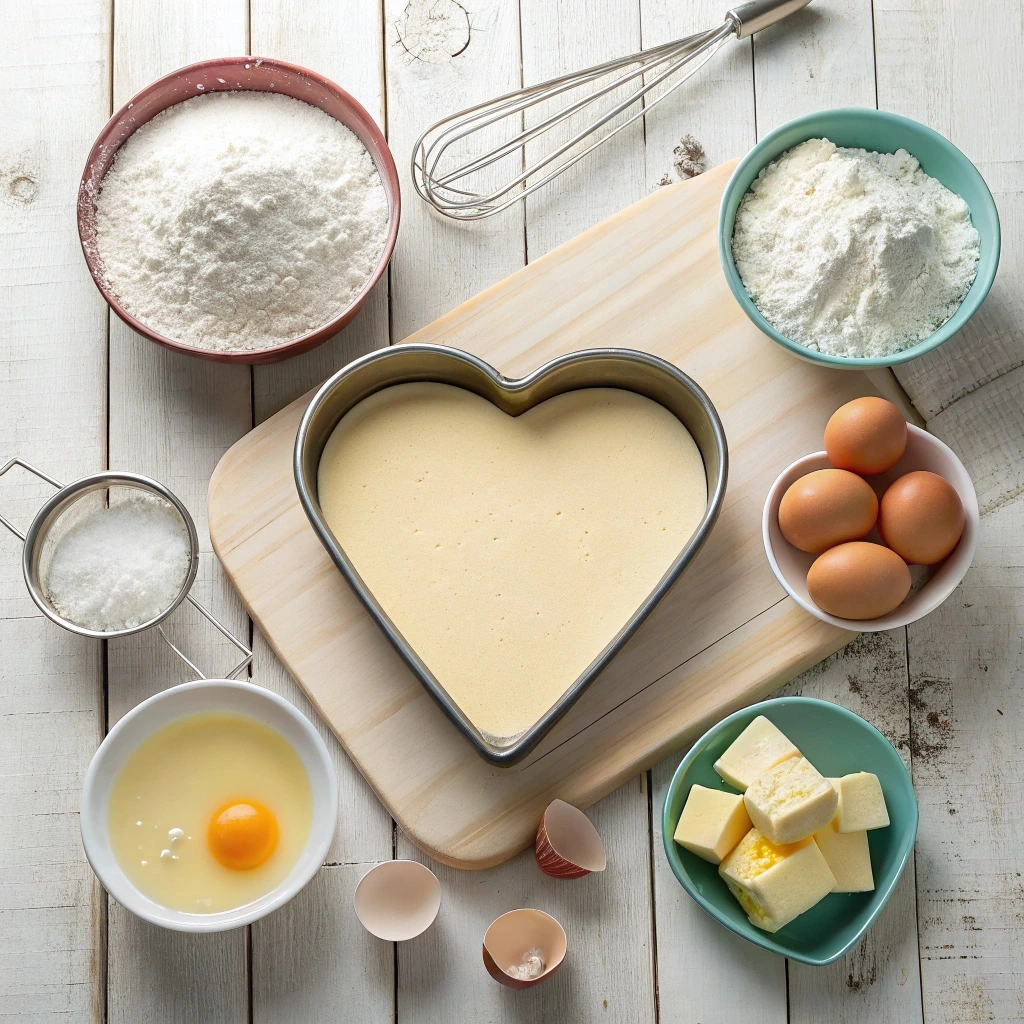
(79, 392)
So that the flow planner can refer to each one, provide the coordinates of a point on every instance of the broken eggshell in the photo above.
(568, 845)
(397, 900)
(517, 935)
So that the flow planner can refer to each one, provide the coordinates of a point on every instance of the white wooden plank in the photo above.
(441, 976)
(349, 51)
(716, 107)
(441, 56)
(956, 67)
(53, 401)
(879, 981)
(569, 35)
(565, 36)
(313, 961)
(966, 703)
(615, 980)
(965, 676)
(52, 913)
(172, 417)
(820, 57)
(965, 658)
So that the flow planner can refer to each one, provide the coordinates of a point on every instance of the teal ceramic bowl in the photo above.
(836, 742)
(877, 131)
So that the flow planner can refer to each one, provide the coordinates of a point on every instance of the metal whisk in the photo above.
(442, 182)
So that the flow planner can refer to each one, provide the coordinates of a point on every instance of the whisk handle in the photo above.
(751, 17)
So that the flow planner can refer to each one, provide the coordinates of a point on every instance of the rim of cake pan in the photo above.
(507, 753)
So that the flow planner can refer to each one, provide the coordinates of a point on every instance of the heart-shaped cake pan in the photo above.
(593, 368)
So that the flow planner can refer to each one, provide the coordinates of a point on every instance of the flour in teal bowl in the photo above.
(853, 253)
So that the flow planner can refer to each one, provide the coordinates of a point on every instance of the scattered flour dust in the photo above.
(237, 221)
(689, 158)
(120, 565)
(853, 253)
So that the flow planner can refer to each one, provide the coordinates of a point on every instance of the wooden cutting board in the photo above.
(648, 278)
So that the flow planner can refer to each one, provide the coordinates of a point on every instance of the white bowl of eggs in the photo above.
(209, 805)
(876, 531)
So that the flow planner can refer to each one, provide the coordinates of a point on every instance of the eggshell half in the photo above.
(568, 845)
(397, 900)
(513, 935)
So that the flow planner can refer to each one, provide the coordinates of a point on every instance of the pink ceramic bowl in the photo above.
(261, 74)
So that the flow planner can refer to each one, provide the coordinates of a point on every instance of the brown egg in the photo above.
(825, 508)
(921, 517)
(858, 581)
(867, 436)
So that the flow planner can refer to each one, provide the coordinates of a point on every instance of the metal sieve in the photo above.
(72, 503)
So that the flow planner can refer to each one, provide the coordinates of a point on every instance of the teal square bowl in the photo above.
(837, 742)
(881, 132)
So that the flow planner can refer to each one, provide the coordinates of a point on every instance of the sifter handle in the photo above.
(37, 472)
(223, 630)
(751, 17)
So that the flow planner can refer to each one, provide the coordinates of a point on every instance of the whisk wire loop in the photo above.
(445, 183)
(516, 102)
(439, 184)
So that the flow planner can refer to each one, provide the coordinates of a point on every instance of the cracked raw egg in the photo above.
(210, 812)
(242, 835)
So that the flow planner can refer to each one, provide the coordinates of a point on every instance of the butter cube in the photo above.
(776, 883)
(759, 747)
(847, 856)
(712, 823)
(861, 803)
(791, 801)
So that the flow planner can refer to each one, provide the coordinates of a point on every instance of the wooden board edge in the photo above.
(429, 332)
(831, 639)
(602, 784)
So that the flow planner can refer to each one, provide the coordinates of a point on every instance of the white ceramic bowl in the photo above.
(932, 584)
(153, 714)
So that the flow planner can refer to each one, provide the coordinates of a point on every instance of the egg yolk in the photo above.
(242, 835)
